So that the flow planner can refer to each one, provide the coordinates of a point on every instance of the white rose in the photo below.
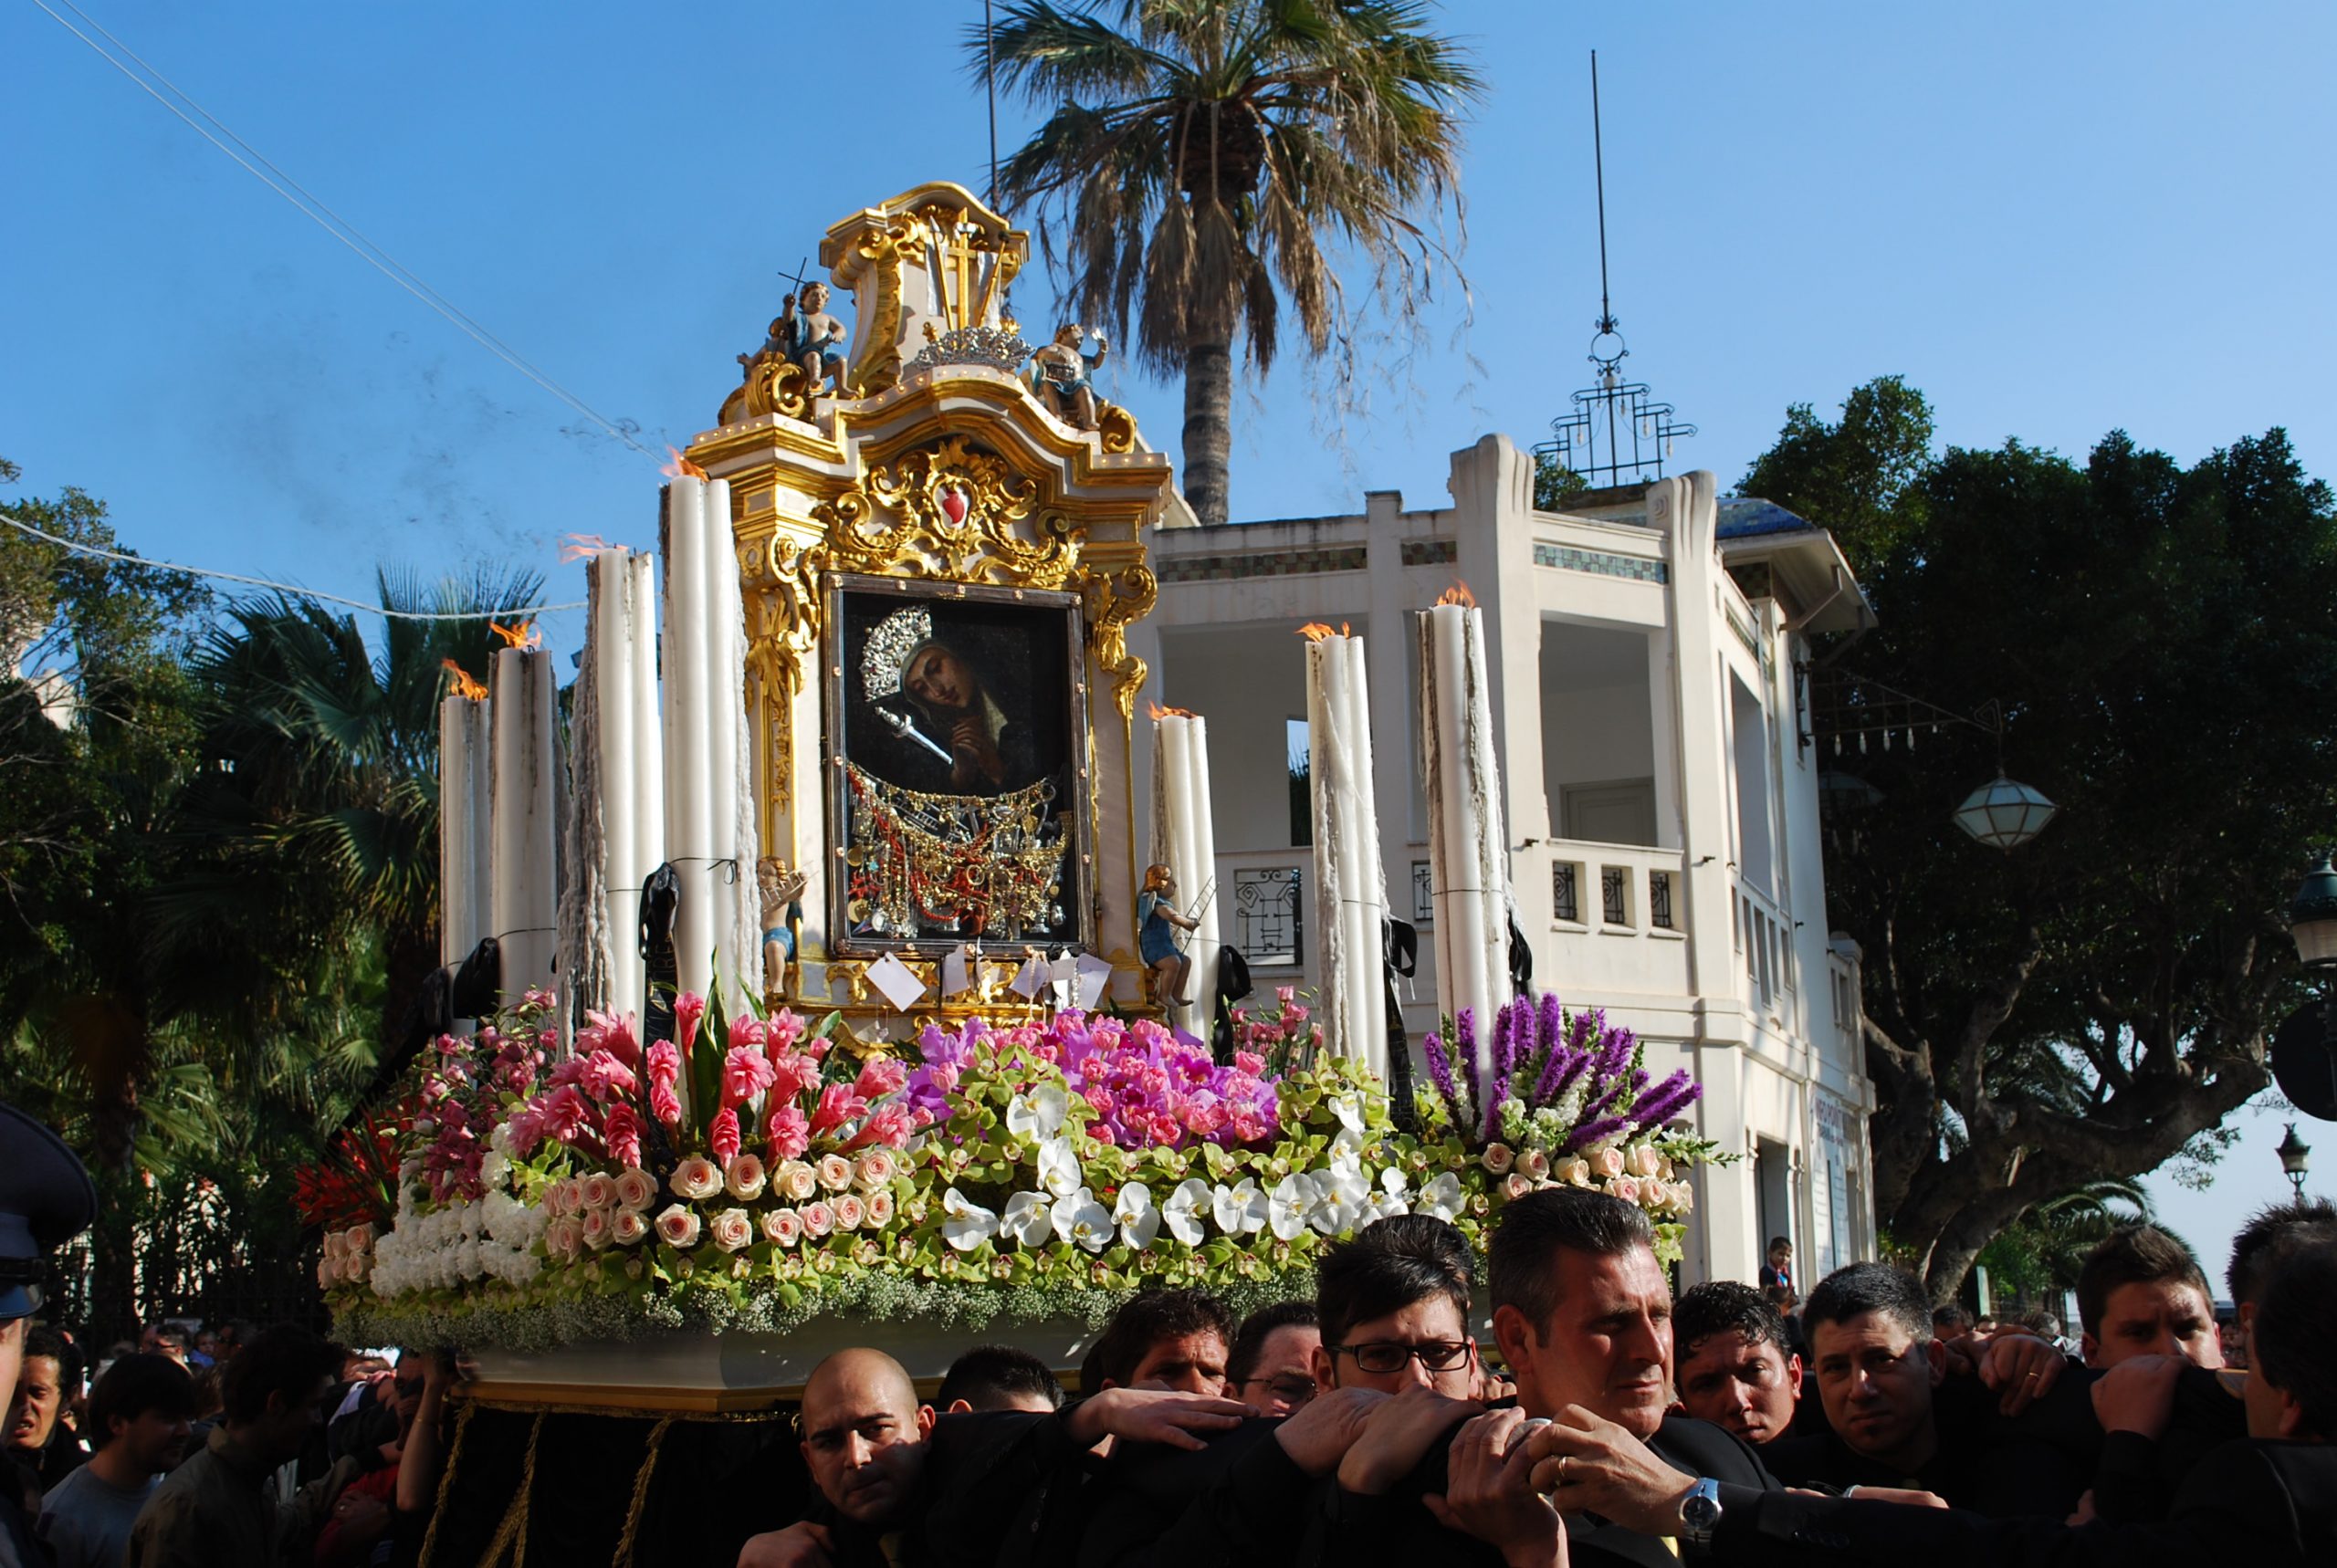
(819, 1219)
(1497, 1158)
(881, 1209)
(731, 1231)
(784, 1227)
(835, 1172)
(745, 1179)
(852, 1211)
(797, 1180)
(696, 1178)
(877, 1168)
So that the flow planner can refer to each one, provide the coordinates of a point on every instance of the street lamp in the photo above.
(2004, 815)
(2293, 1152)
(2312, 918)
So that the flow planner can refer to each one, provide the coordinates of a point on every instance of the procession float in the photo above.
(811, 981)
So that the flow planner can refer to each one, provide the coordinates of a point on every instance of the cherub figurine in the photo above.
(1171, 965)
(1061, 375)
(781, 888)
(809, 338)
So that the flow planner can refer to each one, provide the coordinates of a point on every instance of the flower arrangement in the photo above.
(1287, 1038)
(758, 1171)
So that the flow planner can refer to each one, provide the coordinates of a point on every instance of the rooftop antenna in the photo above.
(1617, 434)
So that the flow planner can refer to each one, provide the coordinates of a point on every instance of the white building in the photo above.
(1661, 787)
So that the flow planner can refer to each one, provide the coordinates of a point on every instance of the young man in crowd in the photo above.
(2270, 1237)
(2264, 1500)
(1272, 1369)
(1582, 1312)
(1393, 1309)
(40, 1445)
(1733, 1367)
(1898, 1424)
(140, 1413)
(2141, 1293)
(45, 1200)
(1178, 1340)
(219, 1507)
(998, 1378)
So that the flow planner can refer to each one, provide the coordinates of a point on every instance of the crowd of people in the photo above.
(1600, 1421)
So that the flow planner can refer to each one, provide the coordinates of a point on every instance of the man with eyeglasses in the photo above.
(1272, 1368)
(1394, 1309)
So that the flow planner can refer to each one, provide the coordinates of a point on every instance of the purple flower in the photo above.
(1667, 1100)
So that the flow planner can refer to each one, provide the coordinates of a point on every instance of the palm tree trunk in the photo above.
(1209, 429)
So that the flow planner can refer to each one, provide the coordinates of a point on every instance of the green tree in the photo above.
(1202, 159)
(2093, 1004)
(1858, 476)
(2040, 1255)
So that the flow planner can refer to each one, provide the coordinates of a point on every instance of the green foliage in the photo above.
(2094, 1003)
(1555, 483)
(2040, 1254)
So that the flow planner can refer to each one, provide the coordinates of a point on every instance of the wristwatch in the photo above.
(1699, 1512)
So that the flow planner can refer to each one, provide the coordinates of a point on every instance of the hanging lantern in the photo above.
(2004, 815)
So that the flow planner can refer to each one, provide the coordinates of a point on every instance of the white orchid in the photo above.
(1342, 1202)
(1292, 1200)
(1347, 1106)
(1039, 1114)
(1442, 1198)
(1058, 1167)
(1240, 1209)
(1026, 1218)
(1384, 1205)
(1394, 1182)
(1139, 1221)
(968, 1224)
(1184, 1210)
(1078, 1217)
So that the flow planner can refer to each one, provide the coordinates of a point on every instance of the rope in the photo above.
(104, 554)
(640, 1495)
(316, 213)
(446, 1483)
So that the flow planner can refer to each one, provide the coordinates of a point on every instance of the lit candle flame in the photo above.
(1159, 713)
(581, 546)
(680, 467)
(1314, 631)
(525, 634)
(463, 685)
(1458, 594)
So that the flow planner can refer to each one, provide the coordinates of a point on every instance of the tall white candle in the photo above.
(1467, 848)
(646, 772)
(465, 854)
(738, 906)
(689, 830)
(526, 812)
(1351, 896)
(1183, 840)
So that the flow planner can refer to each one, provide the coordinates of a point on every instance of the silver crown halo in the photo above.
(999, 348)
(892, 642)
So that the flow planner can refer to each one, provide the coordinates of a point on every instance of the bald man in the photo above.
(864, 1442)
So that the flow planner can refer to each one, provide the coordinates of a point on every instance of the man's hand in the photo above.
(1587, 1465)
(797, 1546)
(1152, 1416)
(1398, 1436)
(1907, 1495)
(2022, 1367)
(1318, 1434)
(2138, 1395)
(1489, 1493)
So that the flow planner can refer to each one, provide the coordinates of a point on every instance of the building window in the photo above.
(1300, 752)
(1566, 893)
(1659, 900)
(1266, 919)
(1615, 895)
(1423, 894)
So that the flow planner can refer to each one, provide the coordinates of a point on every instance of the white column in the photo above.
(465, 853)
(524, 903)
(1467, 848)
(1351, 896)
(1183, 840)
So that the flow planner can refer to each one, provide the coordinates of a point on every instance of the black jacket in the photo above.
(2032, 1465)
(1397, 1529)
(2261, 1504)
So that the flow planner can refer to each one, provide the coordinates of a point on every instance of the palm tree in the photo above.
(1202, 154)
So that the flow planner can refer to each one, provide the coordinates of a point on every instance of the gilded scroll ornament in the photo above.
(950, 510)
(1115, 600)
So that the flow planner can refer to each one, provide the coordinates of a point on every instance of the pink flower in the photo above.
(784, 1227)
(1516, 1184)
(619, 1035)
(880, 1210)
(722, 1138)
(664, 1065)
(695, 1178)
(834, 1172)
(733, 1231)
(622, 1128)
(678, 1225)
(525, 1129)
(1248, 1063)
(783, 1029)
(818, 1219)
(627, 1228)
(689, 1011)
(747, 1032)
(596, 1229)
(890, 1126)
(637, 1190)
(838, 1105)
(793, 1074)
(789, 1133)
(746, 1073)
(852, 1211)
(565, 1114)
(603, 1077)
(1625, 1188)
(598, 1191)
(881, 1076)
(1607, 1162)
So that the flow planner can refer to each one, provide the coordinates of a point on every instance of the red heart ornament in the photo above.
(953, 502)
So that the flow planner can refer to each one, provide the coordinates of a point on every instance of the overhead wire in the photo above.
(325, 218)
(77, 548)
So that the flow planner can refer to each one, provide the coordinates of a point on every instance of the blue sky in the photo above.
(2056, 219)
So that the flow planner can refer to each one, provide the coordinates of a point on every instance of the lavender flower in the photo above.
(1440, 1073)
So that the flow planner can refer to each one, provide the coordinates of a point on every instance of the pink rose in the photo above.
(877, 1168)
(1625, 1188)
(689, 1011)
(1535, 1164)
(678, 1225)
(732, 1230)
(637, 1190)
(596, 1229)
(744, 1179)
(850, 1211)
(722, 1137)
(746, 1073)
(598, 1191)
(789, 1133)
(1248, 1063)
(696, 1178)
(796, 1181)
(1574, 1173)
(1497, 1158)
(1607, 1162)
(621, 1129)
(1642, 1160)
(1516, 1184)
(880, 1208)
(564, 1238)
(784, 1227)
(835, 1172)
(818, 1219)
(628, 1227)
